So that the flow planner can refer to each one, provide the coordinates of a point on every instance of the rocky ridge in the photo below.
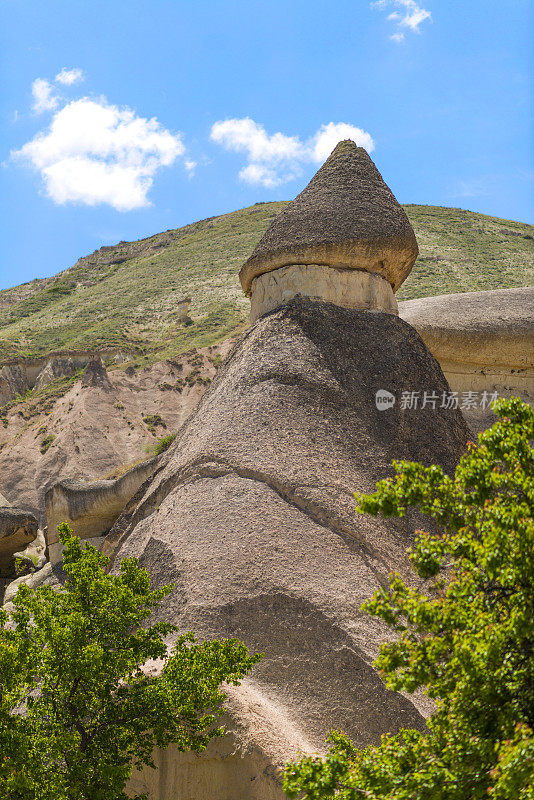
(87, 432)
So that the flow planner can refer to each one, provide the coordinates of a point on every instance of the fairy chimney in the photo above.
(344, 240)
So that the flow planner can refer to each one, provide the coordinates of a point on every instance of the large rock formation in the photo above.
(17, 529)
(17, 376)
(250, 513)
(251, 516)
(484, 341)
(346, 219)
(90, 508)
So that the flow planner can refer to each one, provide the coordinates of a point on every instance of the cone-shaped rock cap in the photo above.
(346, 217)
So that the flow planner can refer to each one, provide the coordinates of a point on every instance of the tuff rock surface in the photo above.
(251, 516)
(484, 342)
(95, 374)
(492, 331)
(55, 368)
(346, 217)
(90, 507)
(347, 288)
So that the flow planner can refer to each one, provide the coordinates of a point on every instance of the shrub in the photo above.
(47, 441)
(73, 661)
(151, 420)
(164, 443)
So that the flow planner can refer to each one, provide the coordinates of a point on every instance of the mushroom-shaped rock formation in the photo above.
(484, 341)
(17, 529)
(344, 239)
(90, 508)
(251, 517)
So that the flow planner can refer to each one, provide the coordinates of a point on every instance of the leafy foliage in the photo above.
(79, 704)
(466, 634)
(164, 443)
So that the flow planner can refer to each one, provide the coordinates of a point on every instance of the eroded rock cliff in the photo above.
(251, 516)
(87, 432)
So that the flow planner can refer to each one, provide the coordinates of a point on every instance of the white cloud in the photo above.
(43, 97)
(245, 135)
(265, 176)
(276, 158)
(94, 152)
(329, 135)
(69, 76)
(190, 166)
(415, 15)
(411, 15)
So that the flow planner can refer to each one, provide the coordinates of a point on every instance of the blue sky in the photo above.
(123, 119)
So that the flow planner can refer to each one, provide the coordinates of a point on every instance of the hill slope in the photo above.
(126, 295)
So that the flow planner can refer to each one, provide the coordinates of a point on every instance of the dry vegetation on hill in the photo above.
(126, 295)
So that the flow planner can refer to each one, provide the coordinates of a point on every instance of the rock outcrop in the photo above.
(33, 557)
(95, 374)
(90, 509)
(17, 529)
(484, 341)
(43, 576)
(251, 516)
(13, 382)
(94, 431)
(182, 311)
(345, 219)
(19, 375)
(22, 544)
(58, 367)
(347, 288)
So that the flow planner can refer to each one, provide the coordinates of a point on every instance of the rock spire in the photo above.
(344, 239)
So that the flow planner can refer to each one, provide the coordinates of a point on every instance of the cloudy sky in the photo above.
(122, 119)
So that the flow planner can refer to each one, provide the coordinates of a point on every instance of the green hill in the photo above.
(126, 295)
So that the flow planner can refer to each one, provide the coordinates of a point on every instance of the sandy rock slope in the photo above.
(251, 516)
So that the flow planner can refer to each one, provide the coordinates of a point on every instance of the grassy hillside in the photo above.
(126, 295)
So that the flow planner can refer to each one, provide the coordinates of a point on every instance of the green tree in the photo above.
(465, 634)
(79, 705)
